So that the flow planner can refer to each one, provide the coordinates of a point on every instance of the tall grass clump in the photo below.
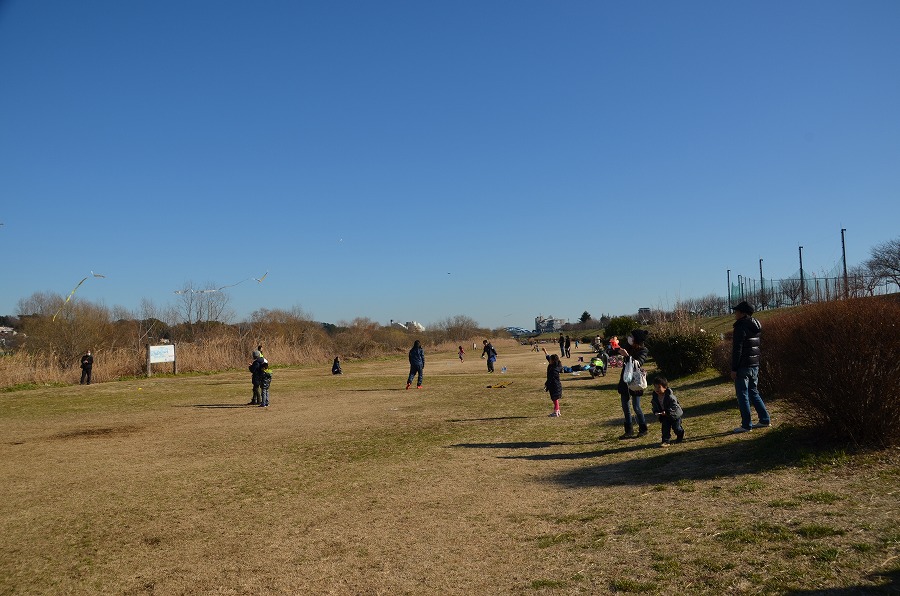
(838, 363)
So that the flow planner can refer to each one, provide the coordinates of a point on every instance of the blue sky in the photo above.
(417, 160)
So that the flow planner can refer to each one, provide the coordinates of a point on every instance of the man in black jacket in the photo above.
(87, 363)
(745, 355)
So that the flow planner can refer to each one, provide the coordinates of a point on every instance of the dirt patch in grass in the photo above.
(354, 485)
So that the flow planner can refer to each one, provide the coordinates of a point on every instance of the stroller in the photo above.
(599, 364)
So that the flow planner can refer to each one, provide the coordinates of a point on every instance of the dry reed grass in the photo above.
(353, 485)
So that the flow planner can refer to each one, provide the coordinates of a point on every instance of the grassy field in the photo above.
(354, 485)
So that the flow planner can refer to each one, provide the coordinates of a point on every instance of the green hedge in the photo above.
(679, 352)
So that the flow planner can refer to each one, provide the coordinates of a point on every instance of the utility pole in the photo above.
(762, 287)
(802, 283)
(728, 299)
(844, 255)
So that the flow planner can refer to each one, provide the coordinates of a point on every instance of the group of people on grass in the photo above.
(745, 359)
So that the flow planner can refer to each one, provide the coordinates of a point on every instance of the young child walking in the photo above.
(265, 381)
(462, 353)
(553, 385)
(665, 405)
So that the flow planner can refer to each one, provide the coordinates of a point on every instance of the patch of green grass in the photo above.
(549, 540)
(750, 486)
(631, 529)
(713, 565)
(30, 386)
(783, 504)
(685, 486)
(756, 534)
(827, 459)
(823, 497)
(862, 547)
(667, 564)
(826, 554)
(631, 585)
(659, 488)
(818, 531)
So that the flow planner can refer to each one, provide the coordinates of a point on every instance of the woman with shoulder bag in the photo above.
(634, 353)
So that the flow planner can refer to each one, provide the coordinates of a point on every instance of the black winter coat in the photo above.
(745, 343)
(553, 385)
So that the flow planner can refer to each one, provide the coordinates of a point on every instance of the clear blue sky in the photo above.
(415, 160)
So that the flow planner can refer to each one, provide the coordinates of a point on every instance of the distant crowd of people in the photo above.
(745, 360)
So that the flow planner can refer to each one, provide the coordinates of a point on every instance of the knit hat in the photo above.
(744, 308)
(639, 335)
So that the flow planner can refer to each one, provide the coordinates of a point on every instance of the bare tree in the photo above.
(204, 305)
(885, 261)
(458, 327)
(791, 289)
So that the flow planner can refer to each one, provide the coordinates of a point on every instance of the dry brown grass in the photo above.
(353, 485)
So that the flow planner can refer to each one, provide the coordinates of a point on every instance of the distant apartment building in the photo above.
(549, 324)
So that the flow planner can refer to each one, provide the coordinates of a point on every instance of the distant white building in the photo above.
(549, 324)
(409, 326)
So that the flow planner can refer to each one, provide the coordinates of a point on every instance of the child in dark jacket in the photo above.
(265, 379)
(666, 407)
(553, 385)
(336, 366)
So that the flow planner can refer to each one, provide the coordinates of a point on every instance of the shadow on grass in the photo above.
(745, 455)
(487, 419)
(219, 406)
(521, 445)
(704, 384)
(891, 586)
(712, 407)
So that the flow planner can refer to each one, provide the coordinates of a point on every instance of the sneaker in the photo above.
(408, 385)
(665, 444)
(762, 425)
(627, 436)
(642, 433)
(680, 439)
(741, 429)
(554, 414)
(418, 386)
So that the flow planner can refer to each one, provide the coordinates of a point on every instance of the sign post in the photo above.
(165, 353)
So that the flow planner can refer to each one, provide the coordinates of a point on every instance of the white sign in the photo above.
(162, 354)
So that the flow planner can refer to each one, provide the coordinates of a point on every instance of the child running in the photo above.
(462, 353)
(553, 385)
(665, 405)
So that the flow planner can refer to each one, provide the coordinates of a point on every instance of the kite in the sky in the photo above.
(219, 289)
(72, 293)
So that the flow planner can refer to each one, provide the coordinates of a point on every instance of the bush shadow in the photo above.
(754, 454)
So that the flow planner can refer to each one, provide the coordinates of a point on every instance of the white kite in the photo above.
(72, 293)
(219, 289)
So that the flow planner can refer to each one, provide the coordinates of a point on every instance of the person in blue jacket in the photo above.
(416, 364)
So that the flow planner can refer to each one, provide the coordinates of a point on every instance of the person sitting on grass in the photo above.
(666, 406)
